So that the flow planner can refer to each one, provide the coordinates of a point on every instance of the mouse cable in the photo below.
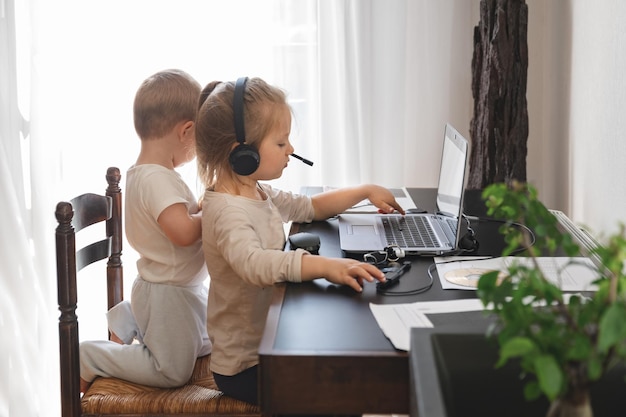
(419, 290)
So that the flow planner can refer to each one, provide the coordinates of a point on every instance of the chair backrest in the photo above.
(73, 216)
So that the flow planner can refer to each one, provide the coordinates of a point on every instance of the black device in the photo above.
(468, 242)
(306, 161)
(393, 276)
(304, 240)
(244, 159)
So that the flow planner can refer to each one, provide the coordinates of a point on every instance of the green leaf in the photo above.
(549, 375)
(486, 288)
(532, 391)
(515, 347)
(612, 327)
(594, 368)
(580, 348)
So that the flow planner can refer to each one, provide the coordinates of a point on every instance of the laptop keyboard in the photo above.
(452, 223)
(408, 231)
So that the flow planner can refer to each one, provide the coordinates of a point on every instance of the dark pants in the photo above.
(242, 386)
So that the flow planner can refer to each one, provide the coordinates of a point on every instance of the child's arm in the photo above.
(182, 228)
(342, 271)
(333, 202)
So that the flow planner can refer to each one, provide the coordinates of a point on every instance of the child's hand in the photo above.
(384, 200)
(345, 271)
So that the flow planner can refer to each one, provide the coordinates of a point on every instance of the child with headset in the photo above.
(167, 312)
(242, 138)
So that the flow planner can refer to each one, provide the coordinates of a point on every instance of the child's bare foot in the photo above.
(84, 385)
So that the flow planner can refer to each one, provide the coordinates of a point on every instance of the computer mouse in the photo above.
(306, 241)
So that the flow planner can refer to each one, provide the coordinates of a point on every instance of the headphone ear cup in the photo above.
(468, 242)
(399, 252)
(244, 159)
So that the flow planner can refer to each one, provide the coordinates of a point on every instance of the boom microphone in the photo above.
(306, 161)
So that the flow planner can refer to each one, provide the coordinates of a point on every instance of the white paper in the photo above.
(570, 274)
(396, 320)
(365, 206)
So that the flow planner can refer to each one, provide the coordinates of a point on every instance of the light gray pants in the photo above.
(169, 322)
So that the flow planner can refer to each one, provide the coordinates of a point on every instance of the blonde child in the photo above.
(242, 139)
(167, 312)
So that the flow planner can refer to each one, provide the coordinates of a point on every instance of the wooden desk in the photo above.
(322, 351)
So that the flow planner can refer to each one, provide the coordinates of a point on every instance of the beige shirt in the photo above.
(243, 242)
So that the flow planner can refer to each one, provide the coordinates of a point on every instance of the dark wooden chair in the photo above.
(112, 396)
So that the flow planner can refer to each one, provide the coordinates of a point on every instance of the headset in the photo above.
(468, 242)
(391, 253)
(244, 159)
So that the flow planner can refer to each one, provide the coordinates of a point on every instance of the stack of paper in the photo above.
(396, 320)
(463, 272)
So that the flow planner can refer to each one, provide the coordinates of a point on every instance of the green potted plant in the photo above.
(566, 343)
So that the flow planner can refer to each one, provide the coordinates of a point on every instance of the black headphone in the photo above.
(244, 159)
(468, 242)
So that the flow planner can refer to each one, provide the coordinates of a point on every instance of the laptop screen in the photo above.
(452, 173)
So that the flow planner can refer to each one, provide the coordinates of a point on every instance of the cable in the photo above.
(411, 292)
(533, 238)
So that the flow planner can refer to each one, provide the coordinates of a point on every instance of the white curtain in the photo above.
(392, 73)
(371, 84)
(28, 353)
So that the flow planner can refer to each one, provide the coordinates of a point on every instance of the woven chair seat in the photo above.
(199, 396)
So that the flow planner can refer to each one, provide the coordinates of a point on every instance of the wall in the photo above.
(598, 114)
(549, 45)
(576, 102)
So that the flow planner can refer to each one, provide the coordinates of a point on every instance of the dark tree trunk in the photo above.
(499, 127)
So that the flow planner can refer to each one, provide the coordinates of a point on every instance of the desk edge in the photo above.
(272, 320)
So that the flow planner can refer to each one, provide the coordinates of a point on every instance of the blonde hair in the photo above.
(163, 100)
(215, 125)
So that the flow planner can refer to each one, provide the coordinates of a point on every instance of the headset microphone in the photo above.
(306, 161)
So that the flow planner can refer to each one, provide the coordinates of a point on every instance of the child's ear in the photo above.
(187, 129)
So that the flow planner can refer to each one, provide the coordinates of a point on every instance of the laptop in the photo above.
(430, 234)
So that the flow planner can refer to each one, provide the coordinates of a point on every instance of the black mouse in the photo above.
(306, 241)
